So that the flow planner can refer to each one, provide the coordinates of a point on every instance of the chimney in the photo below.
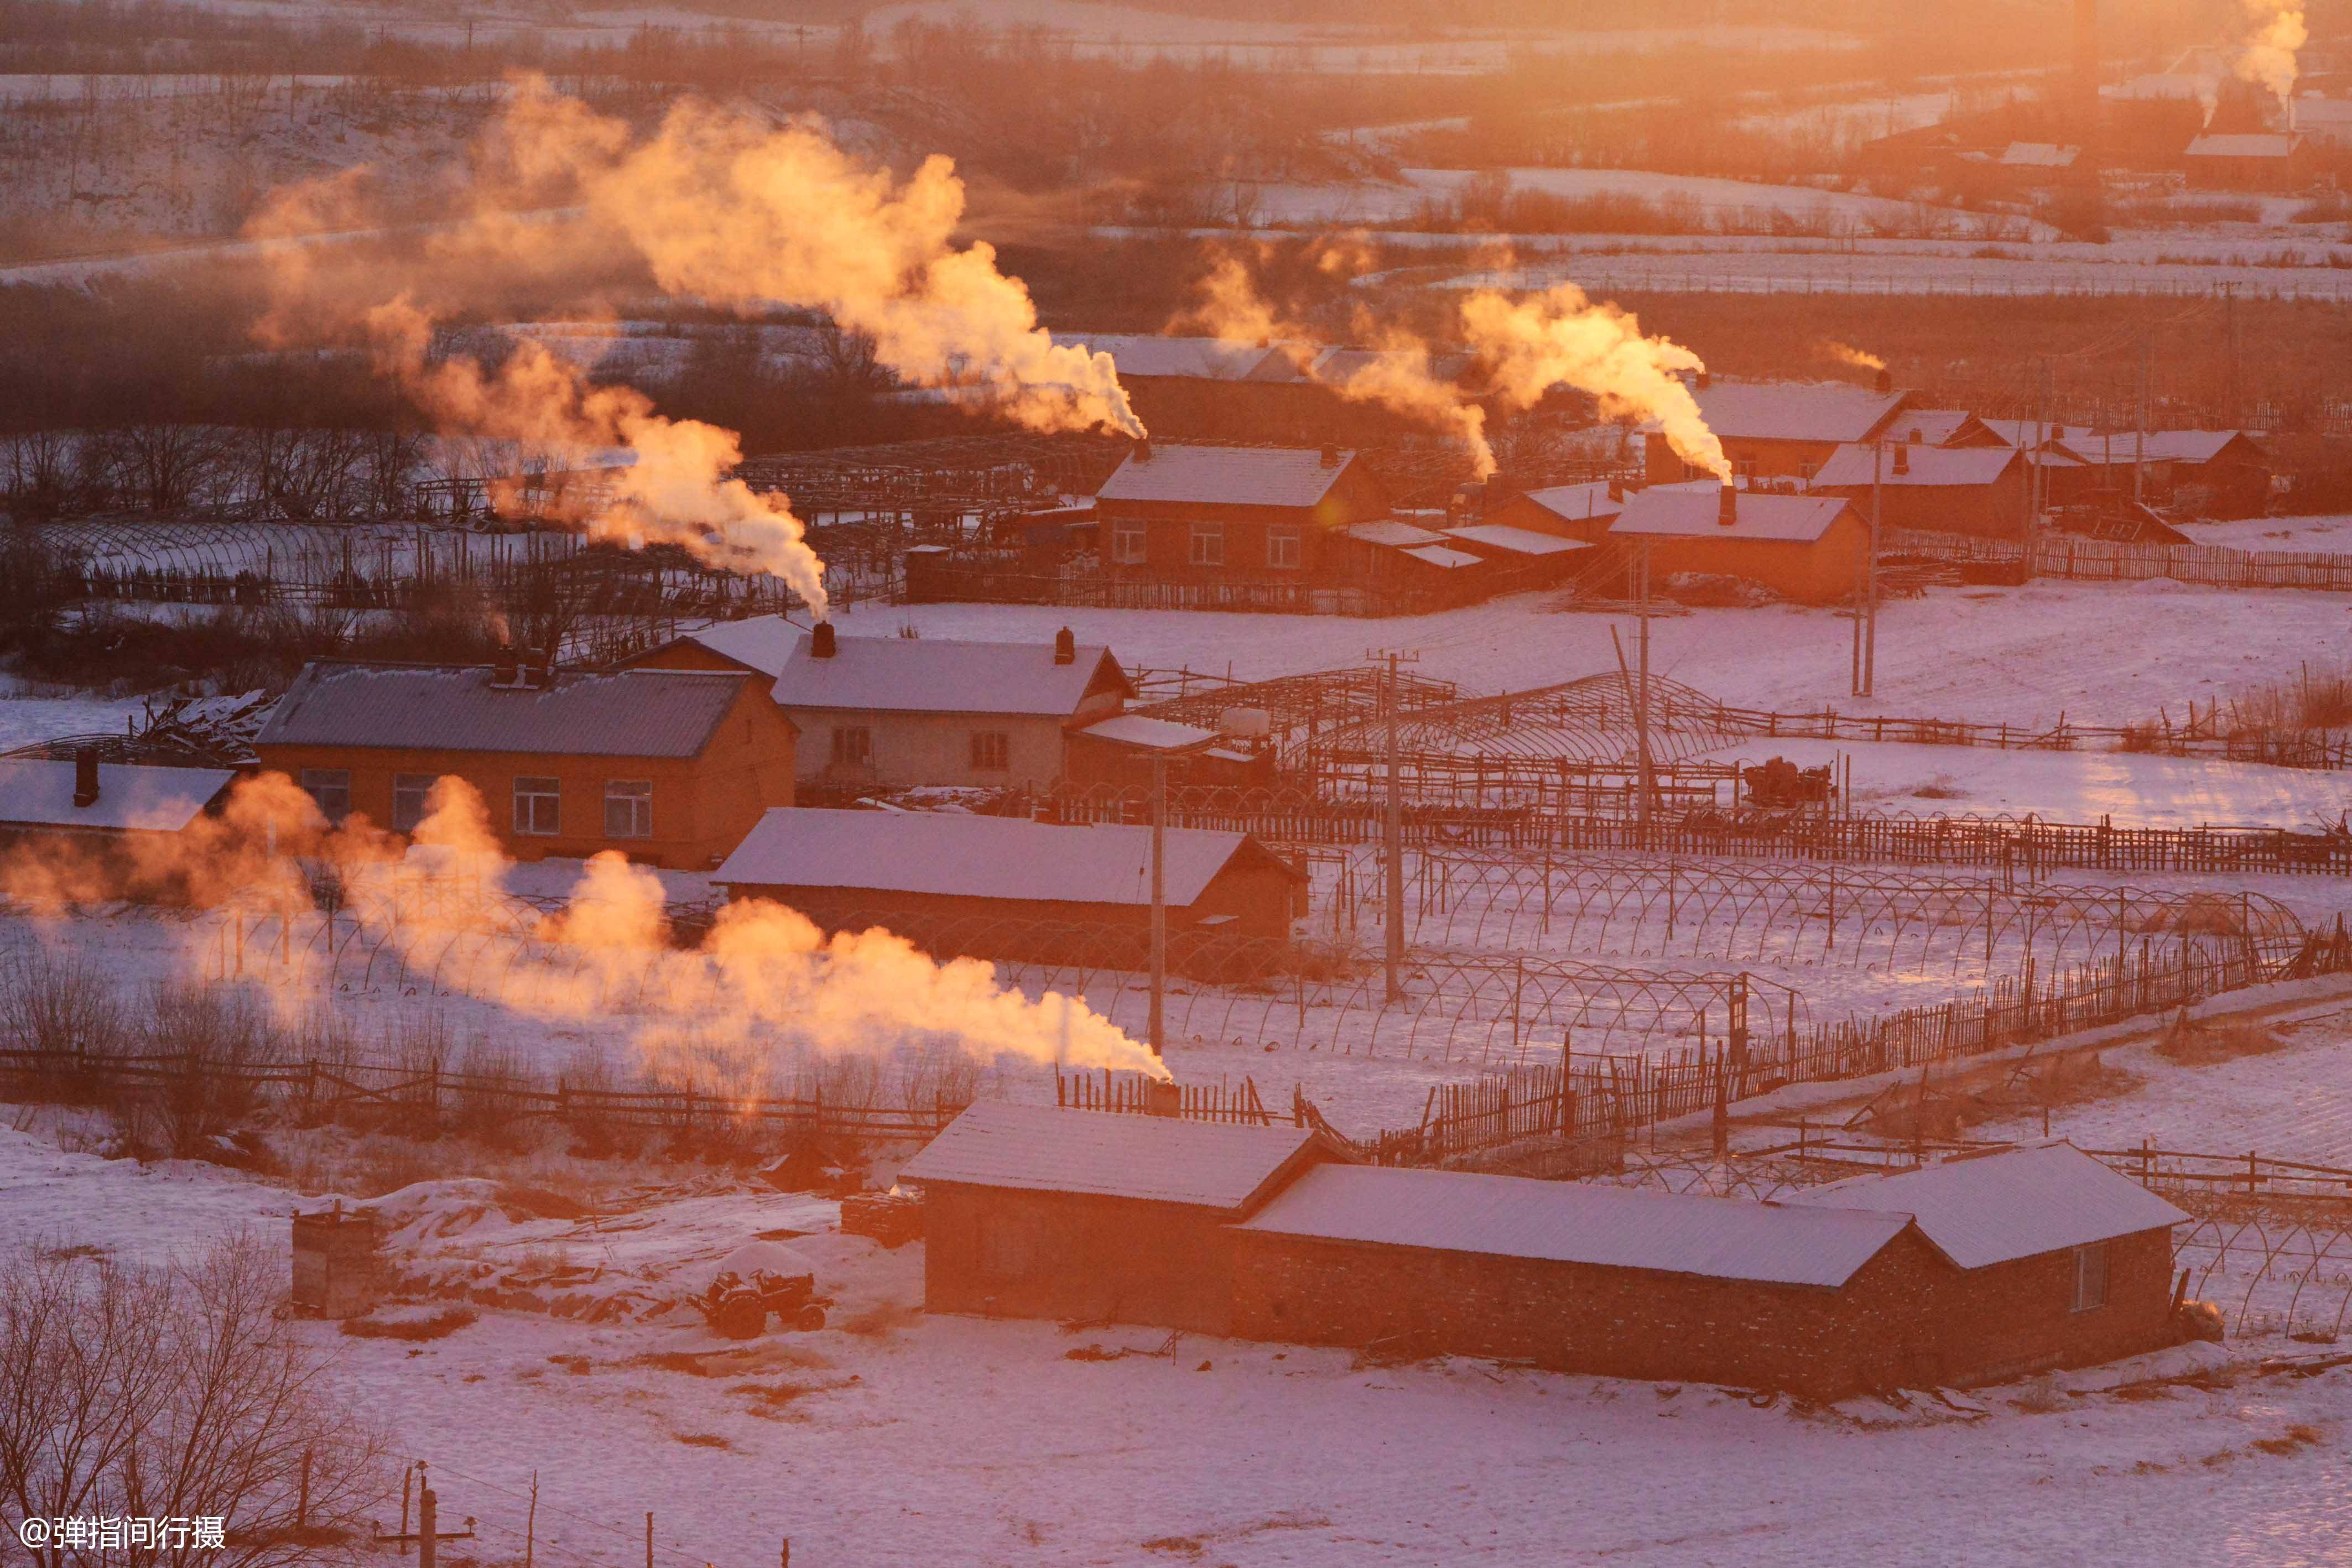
(1727, 509)
(1885, 382)
(1065, 646)
(1616, 489)
(821, 641)
(1704, 380)
(85, 777)
(1902, 458)
(1142, 454)
(1330, 458)
(504, 670)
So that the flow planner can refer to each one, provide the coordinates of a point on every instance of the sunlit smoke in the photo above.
(2267, 58)
(1847, 354)
(673, 489)
(1561, 339)
(726, 207)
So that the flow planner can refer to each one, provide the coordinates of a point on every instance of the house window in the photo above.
(1282, 546)
(332, 789)
(409, 793)
(1806, 471)
(1745, 468)
(2091, 1277)
(991, 751)
(536, 804)
(853, 745)
(1128, 542)
(629, 808)
(1208, 544)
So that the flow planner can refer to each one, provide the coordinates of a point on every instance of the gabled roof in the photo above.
(1155, 1159)
(2183, 445)
(761, 643)
(2027, 433)
(1292, 477)
(442, 708)
(1852, 466)
(1394, 532)
(954, 854)
(132, 797)
(924, 674)
(1690, 511)
(1516, 541)
(1795, 410)
(1939, 427)
(1147, 733)
(2021, 1203)
(1578, 502)
(1578, 1222)
(2258, 145)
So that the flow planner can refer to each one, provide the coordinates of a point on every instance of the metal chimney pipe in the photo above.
(85, 777)
(1727, 509)
(822, 644)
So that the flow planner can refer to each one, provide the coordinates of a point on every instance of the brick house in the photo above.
(1234, 515)
(1035, 1211)
(1580, 512)
(2251, 161)
(1778, 430)
(1806, 547)
(933, 868)
(103, 830)
(1976, 490)
(895, 712)
(2216, 473)
(671, 768)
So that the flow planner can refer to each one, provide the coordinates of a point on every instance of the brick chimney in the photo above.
(505, 670)
(1330, 458)
(1065, 646)
(1143, 451)
(85, 777)
(821, 641)
(1885, 381)
(1902, 458)
(1727, 506)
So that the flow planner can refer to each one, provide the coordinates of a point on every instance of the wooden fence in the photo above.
(1131, 1092)
(2087, 559)
(2198, 733)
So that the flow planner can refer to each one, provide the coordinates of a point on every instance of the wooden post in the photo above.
(531, 1522)
(649, 1541)
(427, 1521)
(407, 1479)
(303, 1500)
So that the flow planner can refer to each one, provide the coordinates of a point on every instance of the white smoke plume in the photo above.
(1847, 354)
(1560, 337)
(2267, 58)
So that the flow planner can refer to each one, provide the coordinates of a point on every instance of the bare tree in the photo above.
(175, 1392)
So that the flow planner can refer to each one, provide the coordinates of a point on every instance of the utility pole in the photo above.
(1866, 613)
(2140, 437)
(2230, 316)
(1156, 1029)
(1392, 700)
(1642, 700)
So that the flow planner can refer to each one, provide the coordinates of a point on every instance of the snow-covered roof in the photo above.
(1159, 735)
(762, 642)
(1578, 1222)
(1576, 502)
(1156, 1159)
(2021, 1203)
(1691, 512)
(1795, 410)
(953, 854)
(1206, 359)
(2040, 155)
(2025, 432)
(1517, 541)
(130, 797)
(1292, 477)
(1933, 466)
(2251, 144)
(1395, 532)
(924, 674)
(2176, 445)
(1440, 557)
(1929, 426)
(440, 707)
(1336, 367)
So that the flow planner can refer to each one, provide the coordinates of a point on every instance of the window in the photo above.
(1282, 546)
(1745, 468)
(536, 806)
(2091, 1277)
(1129, 545)
(629, 808)
(1806, 471)
(409, 793)
(332, 789)
(1208, 544)
(1008, 1245)
(991, 751)
(853, 745)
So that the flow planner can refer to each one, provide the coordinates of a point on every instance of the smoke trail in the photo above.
(724, 206)
(1561, 339)
(2268, 56)
(1847, 354)
(673, 489)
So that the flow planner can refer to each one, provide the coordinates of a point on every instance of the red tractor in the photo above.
(736, 1308)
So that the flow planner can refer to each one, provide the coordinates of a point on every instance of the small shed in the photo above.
(1530, 558)
(1566, 511)
(1976, 490)
(1118, 750)
(2251, 161)
(1093, 1216)
(337, 1272)
(1810, 548)
(2212, 472)
(89, 828)
(943, 865)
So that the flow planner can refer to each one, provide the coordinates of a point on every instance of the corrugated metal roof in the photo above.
(1577, 502)
(130, 797)
(1993, 1208)
(1518, 541)
(1394, 532)
(953, 854)
(1578, 1222)
(921, 675)
(1447, 560)
(1678, 511)
(1928, 466)
(1157, 1159)
(2175, 445)
(762, 642)
(1227, 476)
(1159, 735)
(636, 712)
(1795, 410)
